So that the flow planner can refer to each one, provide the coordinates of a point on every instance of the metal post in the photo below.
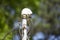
(24, 26)
(25, 13)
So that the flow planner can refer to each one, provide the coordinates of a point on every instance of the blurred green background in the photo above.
(48, 10)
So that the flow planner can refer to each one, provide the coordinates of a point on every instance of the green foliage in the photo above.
(6, 19)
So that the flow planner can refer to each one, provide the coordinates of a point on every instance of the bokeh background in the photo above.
(46, 16)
